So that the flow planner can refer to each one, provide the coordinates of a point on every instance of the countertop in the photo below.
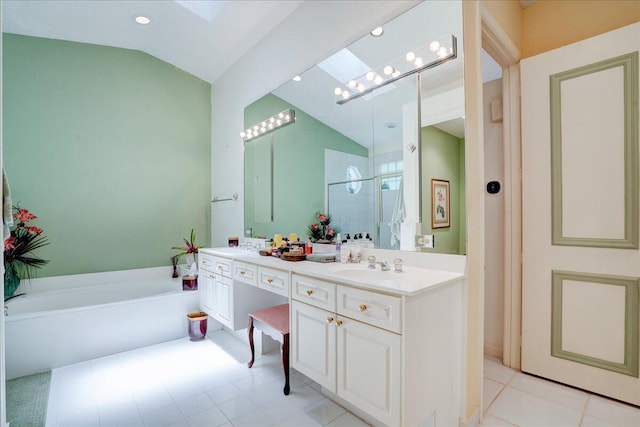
(412, 281)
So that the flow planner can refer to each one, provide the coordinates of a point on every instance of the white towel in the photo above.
(7, 213)
(397, 218)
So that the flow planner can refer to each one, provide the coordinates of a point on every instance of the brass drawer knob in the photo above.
(309, 292)
(242, 273)
(269, 281)
(362, 307)
(338, 322)
(329, 319)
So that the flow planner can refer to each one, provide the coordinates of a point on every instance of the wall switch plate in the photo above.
(425, 241)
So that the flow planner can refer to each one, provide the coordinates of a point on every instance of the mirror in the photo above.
(360, 161)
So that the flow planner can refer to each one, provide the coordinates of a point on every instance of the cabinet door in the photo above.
(222, 300)
(368, 360)
(313, 343)
(205, 286)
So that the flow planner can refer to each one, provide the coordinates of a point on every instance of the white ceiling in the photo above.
(205, 41)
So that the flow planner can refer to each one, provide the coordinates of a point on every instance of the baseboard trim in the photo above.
(493, 350)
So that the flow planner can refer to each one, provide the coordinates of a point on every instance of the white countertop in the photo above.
(413, 280)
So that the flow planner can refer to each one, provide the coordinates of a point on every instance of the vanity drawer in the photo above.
(205, 261)
(314, 292)
(272, 280)
(384, 311)
(222, 266)
(245, 273)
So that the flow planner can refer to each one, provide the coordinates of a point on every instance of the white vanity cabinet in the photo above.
(206, 277)
(229, 289)
(355, 359)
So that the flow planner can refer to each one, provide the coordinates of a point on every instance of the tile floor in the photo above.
(515, 399)
(207, 384)
(184, 383)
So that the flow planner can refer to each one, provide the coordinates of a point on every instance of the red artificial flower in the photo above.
(9, 244)
(33, 230)
(330, 231)
(23, 215)
(314, 226)
(322, 217)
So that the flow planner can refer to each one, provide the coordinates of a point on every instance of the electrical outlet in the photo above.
(425, 241)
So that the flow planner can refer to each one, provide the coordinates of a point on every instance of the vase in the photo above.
(11, 280)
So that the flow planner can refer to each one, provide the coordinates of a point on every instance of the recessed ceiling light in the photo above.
(377, 32)
(142, 19)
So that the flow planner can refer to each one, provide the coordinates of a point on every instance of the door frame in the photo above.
(497, 44)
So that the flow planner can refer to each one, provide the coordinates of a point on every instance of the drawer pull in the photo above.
(309, 292)
(338, 322)
(242, 273)
(269, 281)
(211, 276)
(220, 267)
(329, 319)
(362, 307)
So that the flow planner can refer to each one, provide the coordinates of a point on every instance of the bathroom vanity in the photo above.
(385, 344)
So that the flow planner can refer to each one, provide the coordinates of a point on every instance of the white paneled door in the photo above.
(581, 263)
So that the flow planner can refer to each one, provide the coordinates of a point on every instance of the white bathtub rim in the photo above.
(35, 314)
(46, 284)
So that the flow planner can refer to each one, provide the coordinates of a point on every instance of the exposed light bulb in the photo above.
(264, 124)
(297, 78)
(287, 117)
(410, 57)
(281, 115)
(388, 70)
(337, 91)
(378, 80)
(360, 87)
(270, 126)
(396, 73)
(242, 134)
(352, 84)
(434, 46)
(377, 32)
(271, 120)
(371, 75)
(345, 94)
(256, 127)
(142, 20)
(418, 62)
(278, 122)
(442, 52)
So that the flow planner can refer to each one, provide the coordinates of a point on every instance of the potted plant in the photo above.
(19, 259)
(190, 253)
(321, 231)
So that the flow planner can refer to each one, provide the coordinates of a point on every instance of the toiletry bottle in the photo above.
(338, 246)
(345, 252)
(309, 248)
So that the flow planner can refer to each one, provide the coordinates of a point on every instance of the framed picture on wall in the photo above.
(440, 203)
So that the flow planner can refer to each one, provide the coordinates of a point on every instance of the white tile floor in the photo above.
(207, 383)
(515, 399)
(184, 383)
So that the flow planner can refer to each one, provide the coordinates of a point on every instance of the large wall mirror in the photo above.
(369, 162)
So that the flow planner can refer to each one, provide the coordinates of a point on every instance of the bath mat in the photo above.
(27, 399)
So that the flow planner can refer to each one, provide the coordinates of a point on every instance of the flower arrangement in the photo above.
(321, 231)
(19, 259)
(189, 251)
(189, 247)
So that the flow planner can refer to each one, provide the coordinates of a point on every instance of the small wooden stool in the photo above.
(273, 321)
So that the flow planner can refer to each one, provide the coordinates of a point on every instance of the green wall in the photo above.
(298, 168)
(443, 158)
(110, 147)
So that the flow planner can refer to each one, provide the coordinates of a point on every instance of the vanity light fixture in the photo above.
(433, 54)
(266, 126)
(142, 19)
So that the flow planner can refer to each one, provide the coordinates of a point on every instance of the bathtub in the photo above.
(53, 325)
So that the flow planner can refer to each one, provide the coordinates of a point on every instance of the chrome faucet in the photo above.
(384, 265)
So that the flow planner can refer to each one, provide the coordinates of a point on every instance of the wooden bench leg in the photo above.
(253, 354)
(285, 362)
